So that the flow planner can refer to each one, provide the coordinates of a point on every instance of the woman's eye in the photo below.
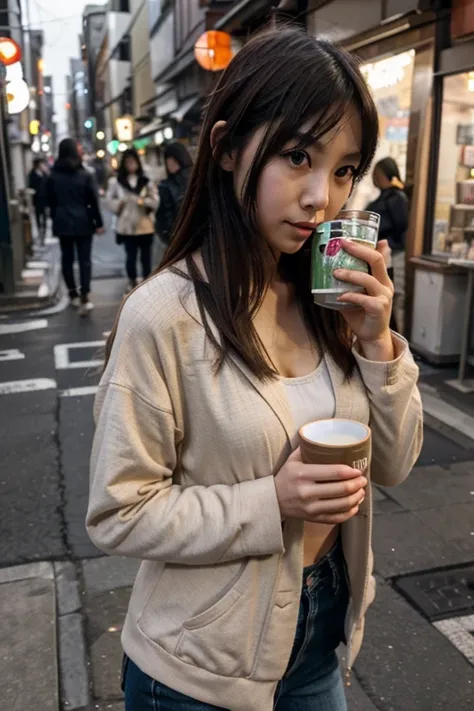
(297, 158)
(347, 171)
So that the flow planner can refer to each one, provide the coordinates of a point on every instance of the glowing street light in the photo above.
(100, 135)
(10, 51)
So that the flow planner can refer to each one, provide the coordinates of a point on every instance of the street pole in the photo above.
(7, 281)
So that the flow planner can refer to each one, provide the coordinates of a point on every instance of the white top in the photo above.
(311, 397)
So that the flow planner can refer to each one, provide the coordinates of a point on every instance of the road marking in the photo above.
(78, 392)
(26, 386)
(63, 362)
(12, 354)
(8, 328)
(460, 632)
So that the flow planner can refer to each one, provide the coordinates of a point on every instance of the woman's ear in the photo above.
(227, 160)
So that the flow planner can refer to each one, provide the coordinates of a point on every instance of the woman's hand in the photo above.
(370, 320)
(318, 493)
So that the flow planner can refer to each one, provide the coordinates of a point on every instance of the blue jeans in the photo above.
(312, 681)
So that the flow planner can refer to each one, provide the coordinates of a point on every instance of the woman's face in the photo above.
(299, 189)
(131, 165)
(379, 179)
(172, 166)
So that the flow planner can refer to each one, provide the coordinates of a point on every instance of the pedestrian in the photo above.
(178, 164)
(71, 195)
(255, 565)
(37, 178)
(132, 196)
(393, 207)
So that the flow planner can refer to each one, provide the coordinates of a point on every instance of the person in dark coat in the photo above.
(71, 195)
(37, 178)
(393, 207)
(171, 191)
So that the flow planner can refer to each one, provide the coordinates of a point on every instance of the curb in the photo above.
(41, 285)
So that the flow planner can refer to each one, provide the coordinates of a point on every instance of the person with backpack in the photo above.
(71, 195)
(132, 196)
(172, 190)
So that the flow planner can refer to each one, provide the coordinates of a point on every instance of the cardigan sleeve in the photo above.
(137, 507)
(396, 414)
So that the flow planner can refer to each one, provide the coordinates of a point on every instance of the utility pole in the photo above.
(7, 281)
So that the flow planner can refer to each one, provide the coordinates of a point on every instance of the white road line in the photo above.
(26, 386)
(459, 631)
(12, 354)
(78, 392)
(61, 355)
(21, 327)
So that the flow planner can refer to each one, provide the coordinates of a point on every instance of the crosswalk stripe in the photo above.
(26, 386)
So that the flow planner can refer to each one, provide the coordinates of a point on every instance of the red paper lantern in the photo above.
(213, 50)
(10, 51)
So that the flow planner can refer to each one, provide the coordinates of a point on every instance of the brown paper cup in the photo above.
(336, 442)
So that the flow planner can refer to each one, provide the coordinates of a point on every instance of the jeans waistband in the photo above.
(332, 555)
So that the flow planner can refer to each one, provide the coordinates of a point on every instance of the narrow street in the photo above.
(54, 584)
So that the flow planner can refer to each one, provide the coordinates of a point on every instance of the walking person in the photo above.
(255, 565)
(178, 164)
(71, 195)
(132, 196)
(37, 178)
(393, 207)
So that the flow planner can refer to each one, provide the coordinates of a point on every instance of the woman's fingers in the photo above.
(372, 286)
(373, 306)
(339, 505)
(373, 258)
(334, 519)
(330, 490)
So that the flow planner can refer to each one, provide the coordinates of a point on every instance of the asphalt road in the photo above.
(46, 433)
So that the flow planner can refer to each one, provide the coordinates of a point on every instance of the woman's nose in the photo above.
(315, 196)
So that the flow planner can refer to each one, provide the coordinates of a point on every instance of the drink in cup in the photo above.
(327, 254)
(336, 441)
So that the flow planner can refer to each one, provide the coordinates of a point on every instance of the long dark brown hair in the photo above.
(283, 79)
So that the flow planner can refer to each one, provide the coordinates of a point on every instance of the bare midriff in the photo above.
(319, 538)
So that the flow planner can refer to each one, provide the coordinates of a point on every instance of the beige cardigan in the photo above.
(182, 477)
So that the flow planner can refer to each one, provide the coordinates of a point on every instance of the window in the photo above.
(390, 81)
(122, 50)
(453, 227)
(124, 6)
(154, 11)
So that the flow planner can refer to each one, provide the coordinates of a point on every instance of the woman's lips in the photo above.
(304, 229)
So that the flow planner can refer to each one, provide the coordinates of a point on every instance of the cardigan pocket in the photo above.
(223, 638)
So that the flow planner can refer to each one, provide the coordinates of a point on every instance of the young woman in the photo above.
(133, 198)
(392, 206)
(178, 169)
(255, 565)
(71, 195)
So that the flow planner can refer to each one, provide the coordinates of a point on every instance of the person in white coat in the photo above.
(133, 197)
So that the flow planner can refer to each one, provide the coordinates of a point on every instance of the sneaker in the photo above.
(75, 302)
(86, 308)
(130, 287)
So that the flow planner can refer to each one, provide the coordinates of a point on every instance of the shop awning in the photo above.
(150, 128)
(184, 107)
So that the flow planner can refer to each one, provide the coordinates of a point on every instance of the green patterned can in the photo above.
(328, 255)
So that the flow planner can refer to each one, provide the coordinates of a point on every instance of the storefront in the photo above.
(443, 326)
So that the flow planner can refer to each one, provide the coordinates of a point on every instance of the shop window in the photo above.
(453, 227)
(390, 81)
